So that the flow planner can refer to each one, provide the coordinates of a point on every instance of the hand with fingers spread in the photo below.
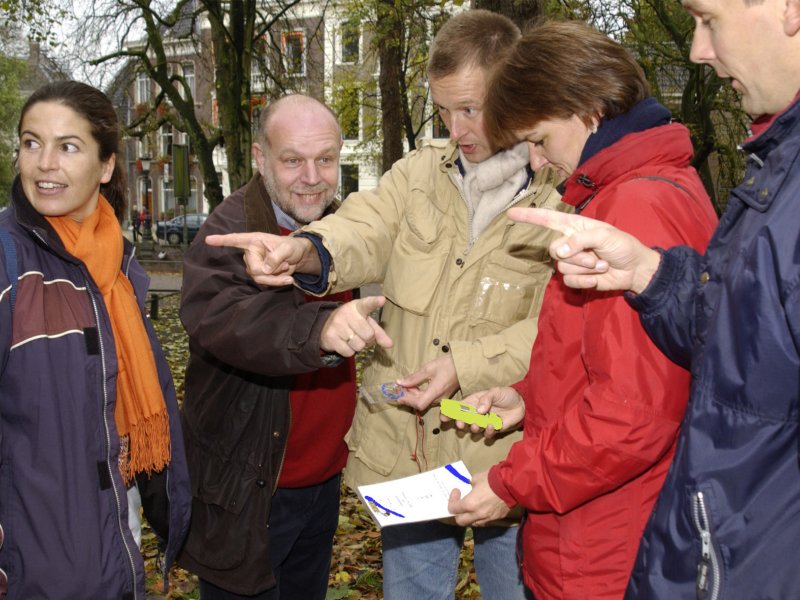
(271, 259)
(594, 254)
(439, 378)
(350, 328)
(480, 506)
(505, 402)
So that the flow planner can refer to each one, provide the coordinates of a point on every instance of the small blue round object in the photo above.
(392, 390)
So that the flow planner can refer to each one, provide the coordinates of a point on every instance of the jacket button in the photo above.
(435, 341)
(448, 165)
(260, 483)
(751, 180)
(704, 277)
(276, 434)
(763, 193)
(435, 431)
(459, 261)
(445, 348)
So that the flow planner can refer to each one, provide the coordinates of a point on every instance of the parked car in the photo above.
(172, 230)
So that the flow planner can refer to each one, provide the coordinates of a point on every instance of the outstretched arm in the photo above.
(271, 259)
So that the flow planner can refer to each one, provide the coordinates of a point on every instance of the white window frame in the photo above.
(285, 36)
(142, 88)
(165, 140)
(189, 77)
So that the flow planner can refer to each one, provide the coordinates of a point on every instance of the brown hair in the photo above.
(560, 69)
(477, 38)
(94, 106)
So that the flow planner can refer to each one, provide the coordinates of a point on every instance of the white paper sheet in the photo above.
(416, 498)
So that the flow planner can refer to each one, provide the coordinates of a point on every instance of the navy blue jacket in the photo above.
(727, 522)
(63, 504)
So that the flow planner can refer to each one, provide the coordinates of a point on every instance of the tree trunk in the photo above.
(391, 34)
(233, 47)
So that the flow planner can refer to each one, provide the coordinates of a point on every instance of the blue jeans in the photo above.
(420, 562)
(302, 523)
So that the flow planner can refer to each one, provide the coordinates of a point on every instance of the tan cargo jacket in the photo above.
(479, 303)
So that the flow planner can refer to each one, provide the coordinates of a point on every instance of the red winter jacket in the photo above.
(603, 404)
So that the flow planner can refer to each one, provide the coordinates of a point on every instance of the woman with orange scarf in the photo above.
(89, 421)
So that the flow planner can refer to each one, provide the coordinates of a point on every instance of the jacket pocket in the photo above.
(708, 583)
(376, 438)
(509, 290)
(414, 270)
(208, 542)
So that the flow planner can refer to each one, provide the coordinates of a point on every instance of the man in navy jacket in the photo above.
(726, 523)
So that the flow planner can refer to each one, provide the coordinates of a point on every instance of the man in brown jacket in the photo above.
(268, 394)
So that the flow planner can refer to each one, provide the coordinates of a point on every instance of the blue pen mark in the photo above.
(386, 511)
(452, 469)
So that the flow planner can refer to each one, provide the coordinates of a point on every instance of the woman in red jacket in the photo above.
(601, 404)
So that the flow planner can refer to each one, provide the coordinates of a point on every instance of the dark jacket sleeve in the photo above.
(666, 307)
(267, 331)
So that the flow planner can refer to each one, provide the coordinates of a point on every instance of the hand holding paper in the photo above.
(478, 507)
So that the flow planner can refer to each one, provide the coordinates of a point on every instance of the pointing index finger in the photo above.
(243, 241)
(564, 223)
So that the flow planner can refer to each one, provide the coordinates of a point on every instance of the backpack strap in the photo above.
(10, 252)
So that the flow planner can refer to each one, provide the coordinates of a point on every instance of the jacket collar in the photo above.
(777, 129)
(644, 115)
(779, 142)
(664, 145)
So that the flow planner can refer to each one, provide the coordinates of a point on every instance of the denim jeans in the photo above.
(420, 562)
(302, 523)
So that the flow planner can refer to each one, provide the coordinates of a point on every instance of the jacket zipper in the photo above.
(108, 439)
(708, 572)
(458, 181)
(587, 183)
(283, 454)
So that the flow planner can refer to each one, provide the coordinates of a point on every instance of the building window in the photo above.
(143, 146)
(168, 198)
(349, 39)
(257, 80)
(349, 180)
(188, 76)
(166, 140)
(293, 51)
(194, 199)
(439, 128)
(144, 202)
(257, 106)
(350, 115)
(142, 88)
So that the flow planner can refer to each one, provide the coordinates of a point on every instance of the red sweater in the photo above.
(323, 403)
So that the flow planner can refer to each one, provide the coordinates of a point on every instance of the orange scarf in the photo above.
(140, 413)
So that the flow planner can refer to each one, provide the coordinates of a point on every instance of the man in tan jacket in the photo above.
(463, 288)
